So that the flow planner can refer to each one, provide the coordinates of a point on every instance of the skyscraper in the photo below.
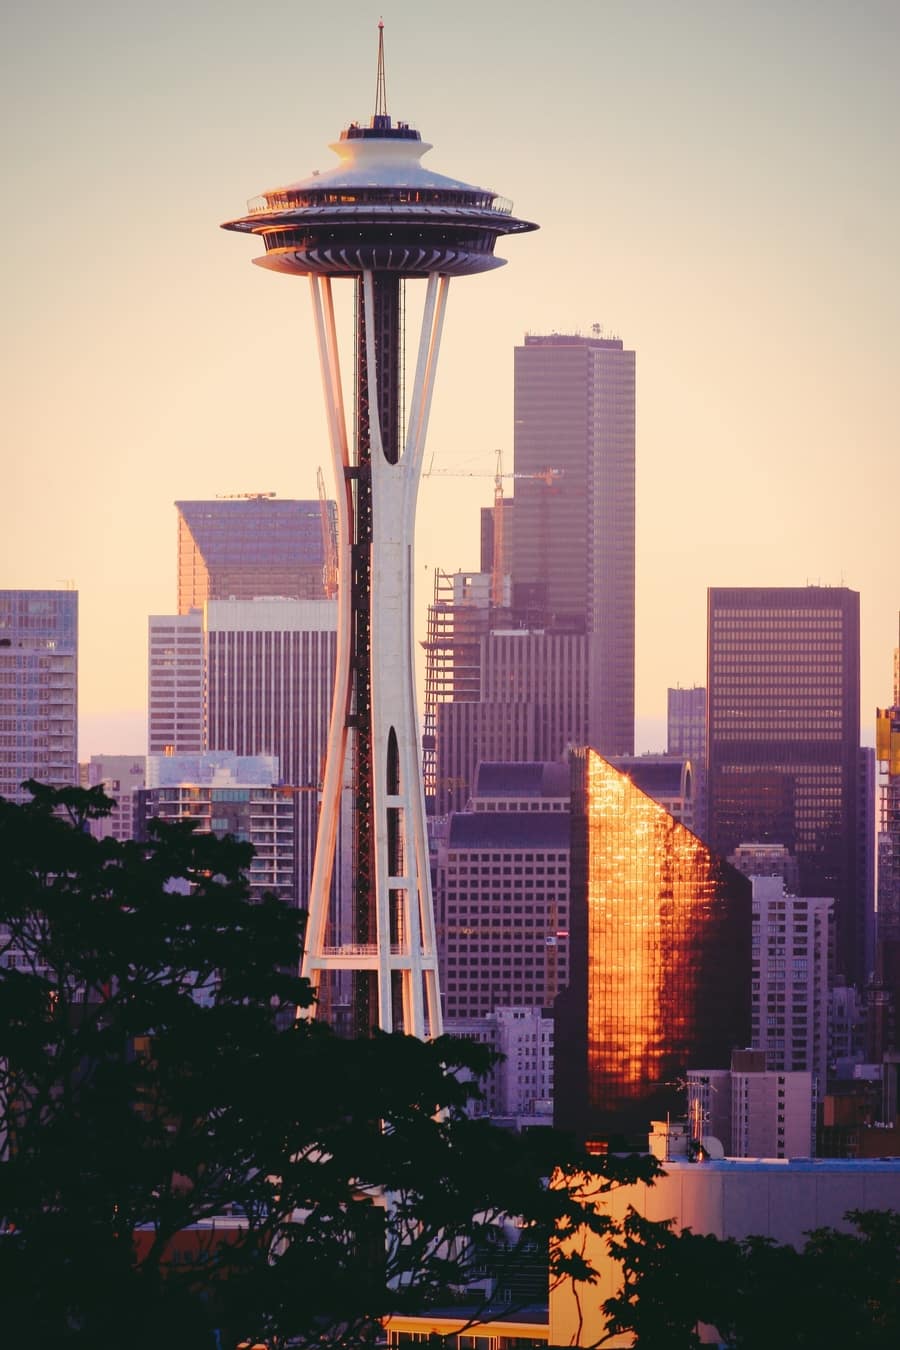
(377, 219)
(38, 690)
(269, 684)
(573, 544)
(783, 686)
(659, 957)
(503, 891)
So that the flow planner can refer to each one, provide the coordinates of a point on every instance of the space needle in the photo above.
(378, 218)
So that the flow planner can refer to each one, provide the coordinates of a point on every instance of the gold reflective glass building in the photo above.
(660, 958)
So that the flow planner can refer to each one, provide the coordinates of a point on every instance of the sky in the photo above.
(716, 184)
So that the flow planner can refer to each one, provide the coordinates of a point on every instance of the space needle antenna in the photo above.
(380, 86)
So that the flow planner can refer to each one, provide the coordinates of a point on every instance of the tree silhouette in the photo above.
(183, 1162)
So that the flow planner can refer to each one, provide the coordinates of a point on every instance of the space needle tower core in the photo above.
(378, 218)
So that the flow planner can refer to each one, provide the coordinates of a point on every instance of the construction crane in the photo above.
(329, 548)
(547, 476)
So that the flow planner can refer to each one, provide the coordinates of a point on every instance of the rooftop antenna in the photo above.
(380, 87)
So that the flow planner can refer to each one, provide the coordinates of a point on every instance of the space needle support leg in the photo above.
(330, 809)
(422, 909)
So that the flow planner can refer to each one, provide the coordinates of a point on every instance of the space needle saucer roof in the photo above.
(379, 209)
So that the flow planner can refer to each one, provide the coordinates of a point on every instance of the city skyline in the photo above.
(715, 186)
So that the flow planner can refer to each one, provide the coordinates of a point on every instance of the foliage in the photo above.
(153, 1075)
(841, 1290)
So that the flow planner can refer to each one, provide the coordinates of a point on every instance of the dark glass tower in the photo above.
(660, 959)
(783, 682)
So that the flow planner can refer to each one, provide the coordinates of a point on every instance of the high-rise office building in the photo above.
(269, 681)
(235, 548)
(175, 721)
(38, 690)
(502, 894)
(783, 689)
(659, 958)
(573, 546)
(791, 941)
(251, 677)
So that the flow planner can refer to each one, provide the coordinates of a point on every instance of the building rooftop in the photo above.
(657, 777)
(509, 829)
(530, 779)
(231, 532)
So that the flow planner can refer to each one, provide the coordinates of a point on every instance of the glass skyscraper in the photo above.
(660, 933)
(38, 690)
(240, 548)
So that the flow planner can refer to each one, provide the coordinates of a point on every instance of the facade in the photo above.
(231, 794)
(519, 1088)
(121, 777)
(686, 723)
(668, 779)
(38, 690)
(753, 1111)
(534, 701)
(767, 860)
(660, 958)
(269, 684)
(502, 910)
(573, 546)
(252, 677)
(791, 942)
(376, 219)
(175, 684)
(783, 687)
(240, 547)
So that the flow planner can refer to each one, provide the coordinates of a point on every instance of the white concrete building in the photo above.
(519, 1088)
(791, 939)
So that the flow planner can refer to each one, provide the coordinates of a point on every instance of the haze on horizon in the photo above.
(715, 183)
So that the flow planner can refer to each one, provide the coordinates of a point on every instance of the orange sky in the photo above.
(716, 183)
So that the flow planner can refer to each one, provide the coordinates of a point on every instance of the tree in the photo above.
(153, 1075)
(839, 1291)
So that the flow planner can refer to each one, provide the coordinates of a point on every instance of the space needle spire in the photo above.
(380, 86)
(375, 220)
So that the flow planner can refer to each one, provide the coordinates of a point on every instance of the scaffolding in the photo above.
(458, 617)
